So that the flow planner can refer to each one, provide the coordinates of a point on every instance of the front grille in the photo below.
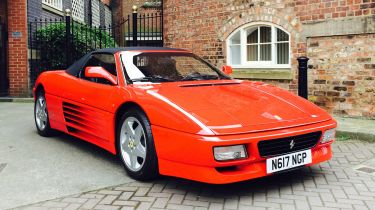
(282, 146)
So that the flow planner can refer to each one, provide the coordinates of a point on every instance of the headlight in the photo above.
(329, 135)
(230, 153)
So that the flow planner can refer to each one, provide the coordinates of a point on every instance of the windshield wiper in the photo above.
(151, 79)
(200, 77)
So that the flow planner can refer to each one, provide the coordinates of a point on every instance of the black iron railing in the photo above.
(56, 44)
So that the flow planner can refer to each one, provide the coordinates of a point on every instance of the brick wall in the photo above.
(343, 77)
(17, 53)
(124, 8)
(321, 10)
(107, 2)
(128, 4)
(204, 25)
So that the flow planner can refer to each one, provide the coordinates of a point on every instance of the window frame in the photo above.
(52, 5)
(81, 73)
(244, 64)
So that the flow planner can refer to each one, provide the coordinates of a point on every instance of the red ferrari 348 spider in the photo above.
(166, 111)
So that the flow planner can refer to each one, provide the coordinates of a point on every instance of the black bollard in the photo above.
(302, 76)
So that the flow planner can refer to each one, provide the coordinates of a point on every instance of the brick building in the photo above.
(14, 17)
(261, 39)
(123, 8)
(13, 47)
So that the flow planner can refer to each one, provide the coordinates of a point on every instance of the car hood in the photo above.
(234, 106)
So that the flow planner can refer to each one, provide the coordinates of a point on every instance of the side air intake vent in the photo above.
(78, 118)
(84, 122)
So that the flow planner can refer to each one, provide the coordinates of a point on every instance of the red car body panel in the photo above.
(188, 119)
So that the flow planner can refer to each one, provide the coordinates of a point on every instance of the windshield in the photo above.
(168, 67)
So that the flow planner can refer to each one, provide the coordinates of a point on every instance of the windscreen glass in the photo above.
(168, 67)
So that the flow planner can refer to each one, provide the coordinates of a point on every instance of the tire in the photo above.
(135, 145)
(41, 116)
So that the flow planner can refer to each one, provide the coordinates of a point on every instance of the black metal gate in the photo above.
(4, 81)
(56, 44)
(144, 30)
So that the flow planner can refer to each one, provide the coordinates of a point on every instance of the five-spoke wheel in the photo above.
(136, 145)
(133, 144)
(41, 115)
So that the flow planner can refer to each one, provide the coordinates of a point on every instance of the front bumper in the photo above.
(191, 156)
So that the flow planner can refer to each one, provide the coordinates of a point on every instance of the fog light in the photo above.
(230, 153)
(329, 135)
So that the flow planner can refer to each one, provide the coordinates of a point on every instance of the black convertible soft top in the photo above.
(75, 68)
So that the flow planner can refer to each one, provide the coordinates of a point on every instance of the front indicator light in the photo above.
(329, 135)
(230, 153)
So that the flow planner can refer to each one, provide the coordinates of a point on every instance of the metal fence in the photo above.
(56, 44)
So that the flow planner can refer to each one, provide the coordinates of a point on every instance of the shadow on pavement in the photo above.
(86, 147)
(275, 182)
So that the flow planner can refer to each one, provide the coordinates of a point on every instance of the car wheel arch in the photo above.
(38, 89)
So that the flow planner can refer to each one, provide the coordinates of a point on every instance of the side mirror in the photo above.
(100, 72)
(227, 70)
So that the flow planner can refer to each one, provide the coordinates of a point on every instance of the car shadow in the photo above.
(277, 183)
(86, 148)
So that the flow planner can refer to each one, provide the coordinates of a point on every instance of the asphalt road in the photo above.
(33, 168)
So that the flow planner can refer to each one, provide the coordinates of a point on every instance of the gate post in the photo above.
(162, 23)
(135, 25)
(68, 38)
(302, 76)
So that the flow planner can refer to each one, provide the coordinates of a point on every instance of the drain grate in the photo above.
(365, 169)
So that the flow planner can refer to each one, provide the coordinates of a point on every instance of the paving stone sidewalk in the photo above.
(331, 185)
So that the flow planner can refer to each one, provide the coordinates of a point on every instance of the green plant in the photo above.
(342, 137)
(53, 46)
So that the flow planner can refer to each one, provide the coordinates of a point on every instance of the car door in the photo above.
(87, 107)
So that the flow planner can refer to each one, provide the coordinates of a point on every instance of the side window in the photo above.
(107, 61)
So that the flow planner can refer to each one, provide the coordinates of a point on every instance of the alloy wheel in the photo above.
(41, 115)
(133, 144)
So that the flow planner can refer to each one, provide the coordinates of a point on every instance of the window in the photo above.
(259, 46)
(168, 67)
(78, 10)
(108, 16)
(107, 61)
(56, 4)
(95, 5)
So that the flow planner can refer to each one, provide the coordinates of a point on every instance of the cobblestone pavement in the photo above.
(331, 185)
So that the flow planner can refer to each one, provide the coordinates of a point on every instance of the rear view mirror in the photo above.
(227, 70)
(100, 72)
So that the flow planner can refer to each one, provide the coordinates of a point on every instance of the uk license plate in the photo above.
(288, 161)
